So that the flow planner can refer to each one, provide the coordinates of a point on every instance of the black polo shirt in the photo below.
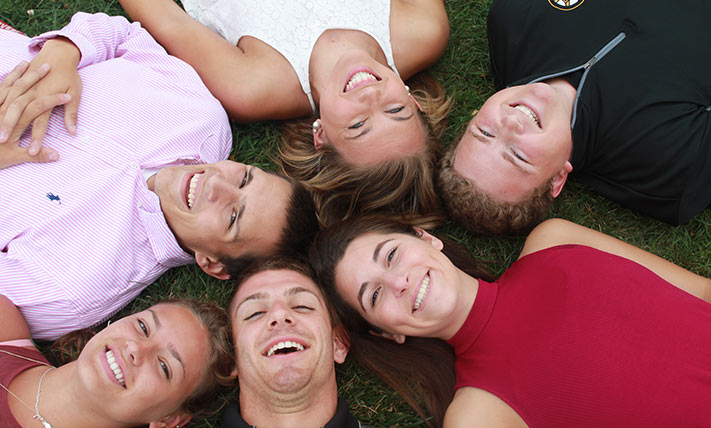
(642, 127)
(342, 419)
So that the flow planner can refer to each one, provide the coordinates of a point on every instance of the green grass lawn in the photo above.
(464, 70)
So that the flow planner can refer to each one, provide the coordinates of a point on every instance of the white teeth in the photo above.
(191, 190)
(359, 77)
(282, 345)
(422, 293)
(528, 112)
(118, 374)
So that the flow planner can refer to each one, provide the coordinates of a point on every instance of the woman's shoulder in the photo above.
(477, 407)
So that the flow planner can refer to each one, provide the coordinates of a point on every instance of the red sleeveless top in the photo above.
(575, 337)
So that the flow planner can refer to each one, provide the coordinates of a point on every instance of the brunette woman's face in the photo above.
(143, 367)
(402, 284)
(367, 115)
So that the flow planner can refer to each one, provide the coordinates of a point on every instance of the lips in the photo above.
(116, 370)
(528, 112)
(284, 347)
(422, 292)
(358, 77)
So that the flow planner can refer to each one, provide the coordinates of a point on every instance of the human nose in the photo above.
(511, 125)
(280, 315)
(219, 187)
(396, 281)
(136, 351)
(369, 93)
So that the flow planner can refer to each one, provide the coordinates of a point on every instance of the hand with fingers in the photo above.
(31, 91)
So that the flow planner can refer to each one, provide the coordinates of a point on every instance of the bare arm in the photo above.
(242, 77)
(14, 325)
(476, 408)
(558, 232)
(419, 30)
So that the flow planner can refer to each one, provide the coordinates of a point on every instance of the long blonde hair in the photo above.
(402, 187)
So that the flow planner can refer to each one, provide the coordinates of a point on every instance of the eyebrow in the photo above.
(243, 202)
(256, 296)
(363, 286)
(171, 348)
(296, 290)
(365, 131)
(509, 157)
(379, 247)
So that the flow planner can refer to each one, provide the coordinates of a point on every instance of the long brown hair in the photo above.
(403, 188)
(203, 401)
(421, 369)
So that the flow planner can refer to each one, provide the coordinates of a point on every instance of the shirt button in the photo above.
(86, 139)
(134, 165)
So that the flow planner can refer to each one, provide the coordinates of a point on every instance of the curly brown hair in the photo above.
(401, 187)
(476, 211)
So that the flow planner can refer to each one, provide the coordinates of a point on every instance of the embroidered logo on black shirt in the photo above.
(565, 4)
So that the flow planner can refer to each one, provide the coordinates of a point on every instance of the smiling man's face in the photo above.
(519, 140)
(223, 209)
(284, 340)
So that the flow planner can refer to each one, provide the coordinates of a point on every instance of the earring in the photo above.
(407, 88)
(316, 125)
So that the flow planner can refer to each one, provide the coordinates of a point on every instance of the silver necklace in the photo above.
(37, 415)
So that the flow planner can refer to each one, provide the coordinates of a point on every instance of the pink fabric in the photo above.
(11, 366)
(81, 237)
(574, 337)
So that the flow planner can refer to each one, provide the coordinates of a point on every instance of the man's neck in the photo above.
(303, 409)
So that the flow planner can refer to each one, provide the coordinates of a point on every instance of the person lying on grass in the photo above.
(286, 343)
(582, 330)
(622, 107)
(140, 185)
(158, 367)
(368, 142)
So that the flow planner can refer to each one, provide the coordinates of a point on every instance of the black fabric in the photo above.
(642, 135)
(342, 419)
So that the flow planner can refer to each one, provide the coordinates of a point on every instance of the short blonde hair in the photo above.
(401, 187)
(478, 212)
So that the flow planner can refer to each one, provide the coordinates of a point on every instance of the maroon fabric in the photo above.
(11, 366)
(574, 337)
(4, 26)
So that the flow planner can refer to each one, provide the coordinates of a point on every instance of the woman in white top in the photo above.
(343, 62)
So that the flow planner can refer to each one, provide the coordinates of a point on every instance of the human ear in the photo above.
(558, 180)
(433, 240)
(177, 419)
(319, 136)
(397, 338)
(211, 265)
(340, 346)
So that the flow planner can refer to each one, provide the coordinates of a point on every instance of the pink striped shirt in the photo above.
(81, 237)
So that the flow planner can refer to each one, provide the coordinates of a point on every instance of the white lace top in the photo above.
(293, 26)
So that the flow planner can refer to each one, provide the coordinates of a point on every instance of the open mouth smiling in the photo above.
(422, 292)
(528, 112)
(360, 78)
(115, 368)
(285, 347)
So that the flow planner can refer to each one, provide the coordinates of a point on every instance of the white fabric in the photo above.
(292, 27)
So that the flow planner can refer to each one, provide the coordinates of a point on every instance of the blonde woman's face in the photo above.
(143, 367)
(367, 114)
